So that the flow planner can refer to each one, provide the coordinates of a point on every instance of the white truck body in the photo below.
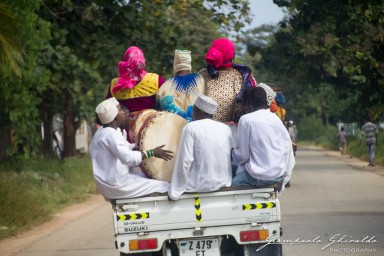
(197, 223)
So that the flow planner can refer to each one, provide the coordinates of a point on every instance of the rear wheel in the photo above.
(229, 247)
(268, 250)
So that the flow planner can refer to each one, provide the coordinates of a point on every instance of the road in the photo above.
(332, 199)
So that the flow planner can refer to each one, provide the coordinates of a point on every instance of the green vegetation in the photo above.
(312, 131)
(326, 57)
(65, 53)
(32, 190)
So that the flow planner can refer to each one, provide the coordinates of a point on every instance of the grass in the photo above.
(32, 190)
(312, 131)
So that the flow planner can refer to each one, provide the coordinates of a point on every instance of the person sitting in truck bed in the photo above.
(265, 153)
(112, 158)
(203, 161)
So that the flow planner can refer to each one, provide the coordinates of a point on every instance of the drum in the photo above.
(137, 120)
(161, 128)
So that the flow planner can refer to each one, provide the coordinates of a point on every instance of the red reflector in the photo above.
(253, 235)
(143, 244)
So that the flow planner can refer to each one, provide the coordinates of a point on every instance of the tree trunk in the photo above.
(69, 136)
(69, 132)
(47, 116)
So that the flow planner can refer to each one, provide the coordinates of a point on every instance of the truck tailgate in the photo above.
(196, 210)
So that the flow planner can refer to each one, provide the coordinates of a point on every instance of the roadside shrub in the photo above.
(311, 130)
(31, 190)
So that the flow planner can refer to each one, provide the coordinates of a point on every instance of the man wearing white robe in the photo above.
(265, 148)
(203, 161)
(112, 159)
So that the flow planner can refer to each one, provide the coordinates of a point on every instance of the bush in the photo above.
(311, 130)
(31, 190)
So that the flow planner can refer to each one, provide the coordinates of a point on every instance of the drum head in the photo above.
(137, 120)
(162, 128)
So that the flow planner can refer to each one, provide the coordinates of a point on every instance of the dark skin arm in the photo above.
(161, 153)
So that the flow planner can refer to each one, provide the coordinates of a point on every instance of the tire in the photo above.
(229, 247)
(269, 250)
(136, 254)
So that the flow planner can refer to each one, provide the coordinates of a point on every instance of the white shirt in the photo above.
(203, 161)
(112, 158)
(265, 147)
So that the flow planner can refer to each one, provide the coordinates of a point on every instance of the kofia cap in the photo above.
(106, 111)
(271, 94)
(206, 104)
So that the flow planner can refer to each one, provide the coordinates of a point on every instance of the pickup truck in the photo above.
(232, 221)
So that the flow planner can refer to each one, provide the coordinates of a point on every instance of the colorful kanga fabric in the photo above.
(178, 94)
(148, 86)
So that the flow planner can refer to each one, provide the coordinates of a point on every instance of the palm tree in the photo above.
(10, 50)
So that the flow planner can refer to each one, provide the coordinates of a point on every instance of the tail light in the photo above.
(254, 235)
(143, 244)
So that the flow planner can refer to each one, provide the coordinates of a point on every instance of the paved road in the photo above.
(328, 200)
(332, 201)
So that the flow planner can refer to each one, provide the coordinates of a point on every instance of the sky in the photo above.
(265, 12)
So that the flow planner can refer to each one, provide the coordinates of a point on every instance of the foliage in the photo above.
(10, 52)
(333, 47)
(43, 186)
(23, 94)
(312, 129)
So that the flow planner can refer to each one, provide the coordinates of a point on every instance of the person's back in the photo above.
(370, 131)
(265, 154)
(203, 161)
(224, 89)
(211, 169)
(179, 93)
(267, 146)
(225, 80)
(342, 140)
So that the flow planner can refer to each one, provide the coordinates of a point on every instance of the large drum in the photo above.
(160, 128)
(137, 120)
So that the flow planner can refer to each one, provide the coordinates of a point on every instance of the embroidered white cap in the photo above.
(107, 111)
(206, 104)
(271, 94)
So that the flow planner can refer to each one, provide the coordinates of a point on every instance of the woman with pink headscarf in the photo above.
(225, 81)
(135, 88)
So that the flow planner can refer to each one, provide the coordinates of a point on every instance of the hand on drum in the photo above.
(162, 153)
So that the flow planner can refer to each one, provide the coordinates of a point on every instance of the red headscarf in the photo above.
(221, 53)
(131, 70)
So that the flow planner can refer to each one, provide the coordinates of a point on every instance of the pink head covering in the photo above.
(131, 70)
(221, 53)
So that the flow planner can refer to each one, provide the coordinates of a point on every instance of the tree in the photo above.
(22, 93)
(10, 50)
(338, 43)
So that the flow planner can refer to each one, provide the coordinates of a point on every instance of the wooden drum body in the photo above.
(160, 128)
(137, 120)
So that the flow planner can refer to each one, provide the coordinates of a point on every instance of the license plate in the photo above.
(199, 247)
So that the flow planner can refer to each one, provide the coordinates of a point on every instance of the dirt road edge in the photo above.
(11, 246)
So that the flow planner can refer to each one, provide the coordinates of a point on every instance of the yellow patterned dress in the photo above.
(141, 96)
